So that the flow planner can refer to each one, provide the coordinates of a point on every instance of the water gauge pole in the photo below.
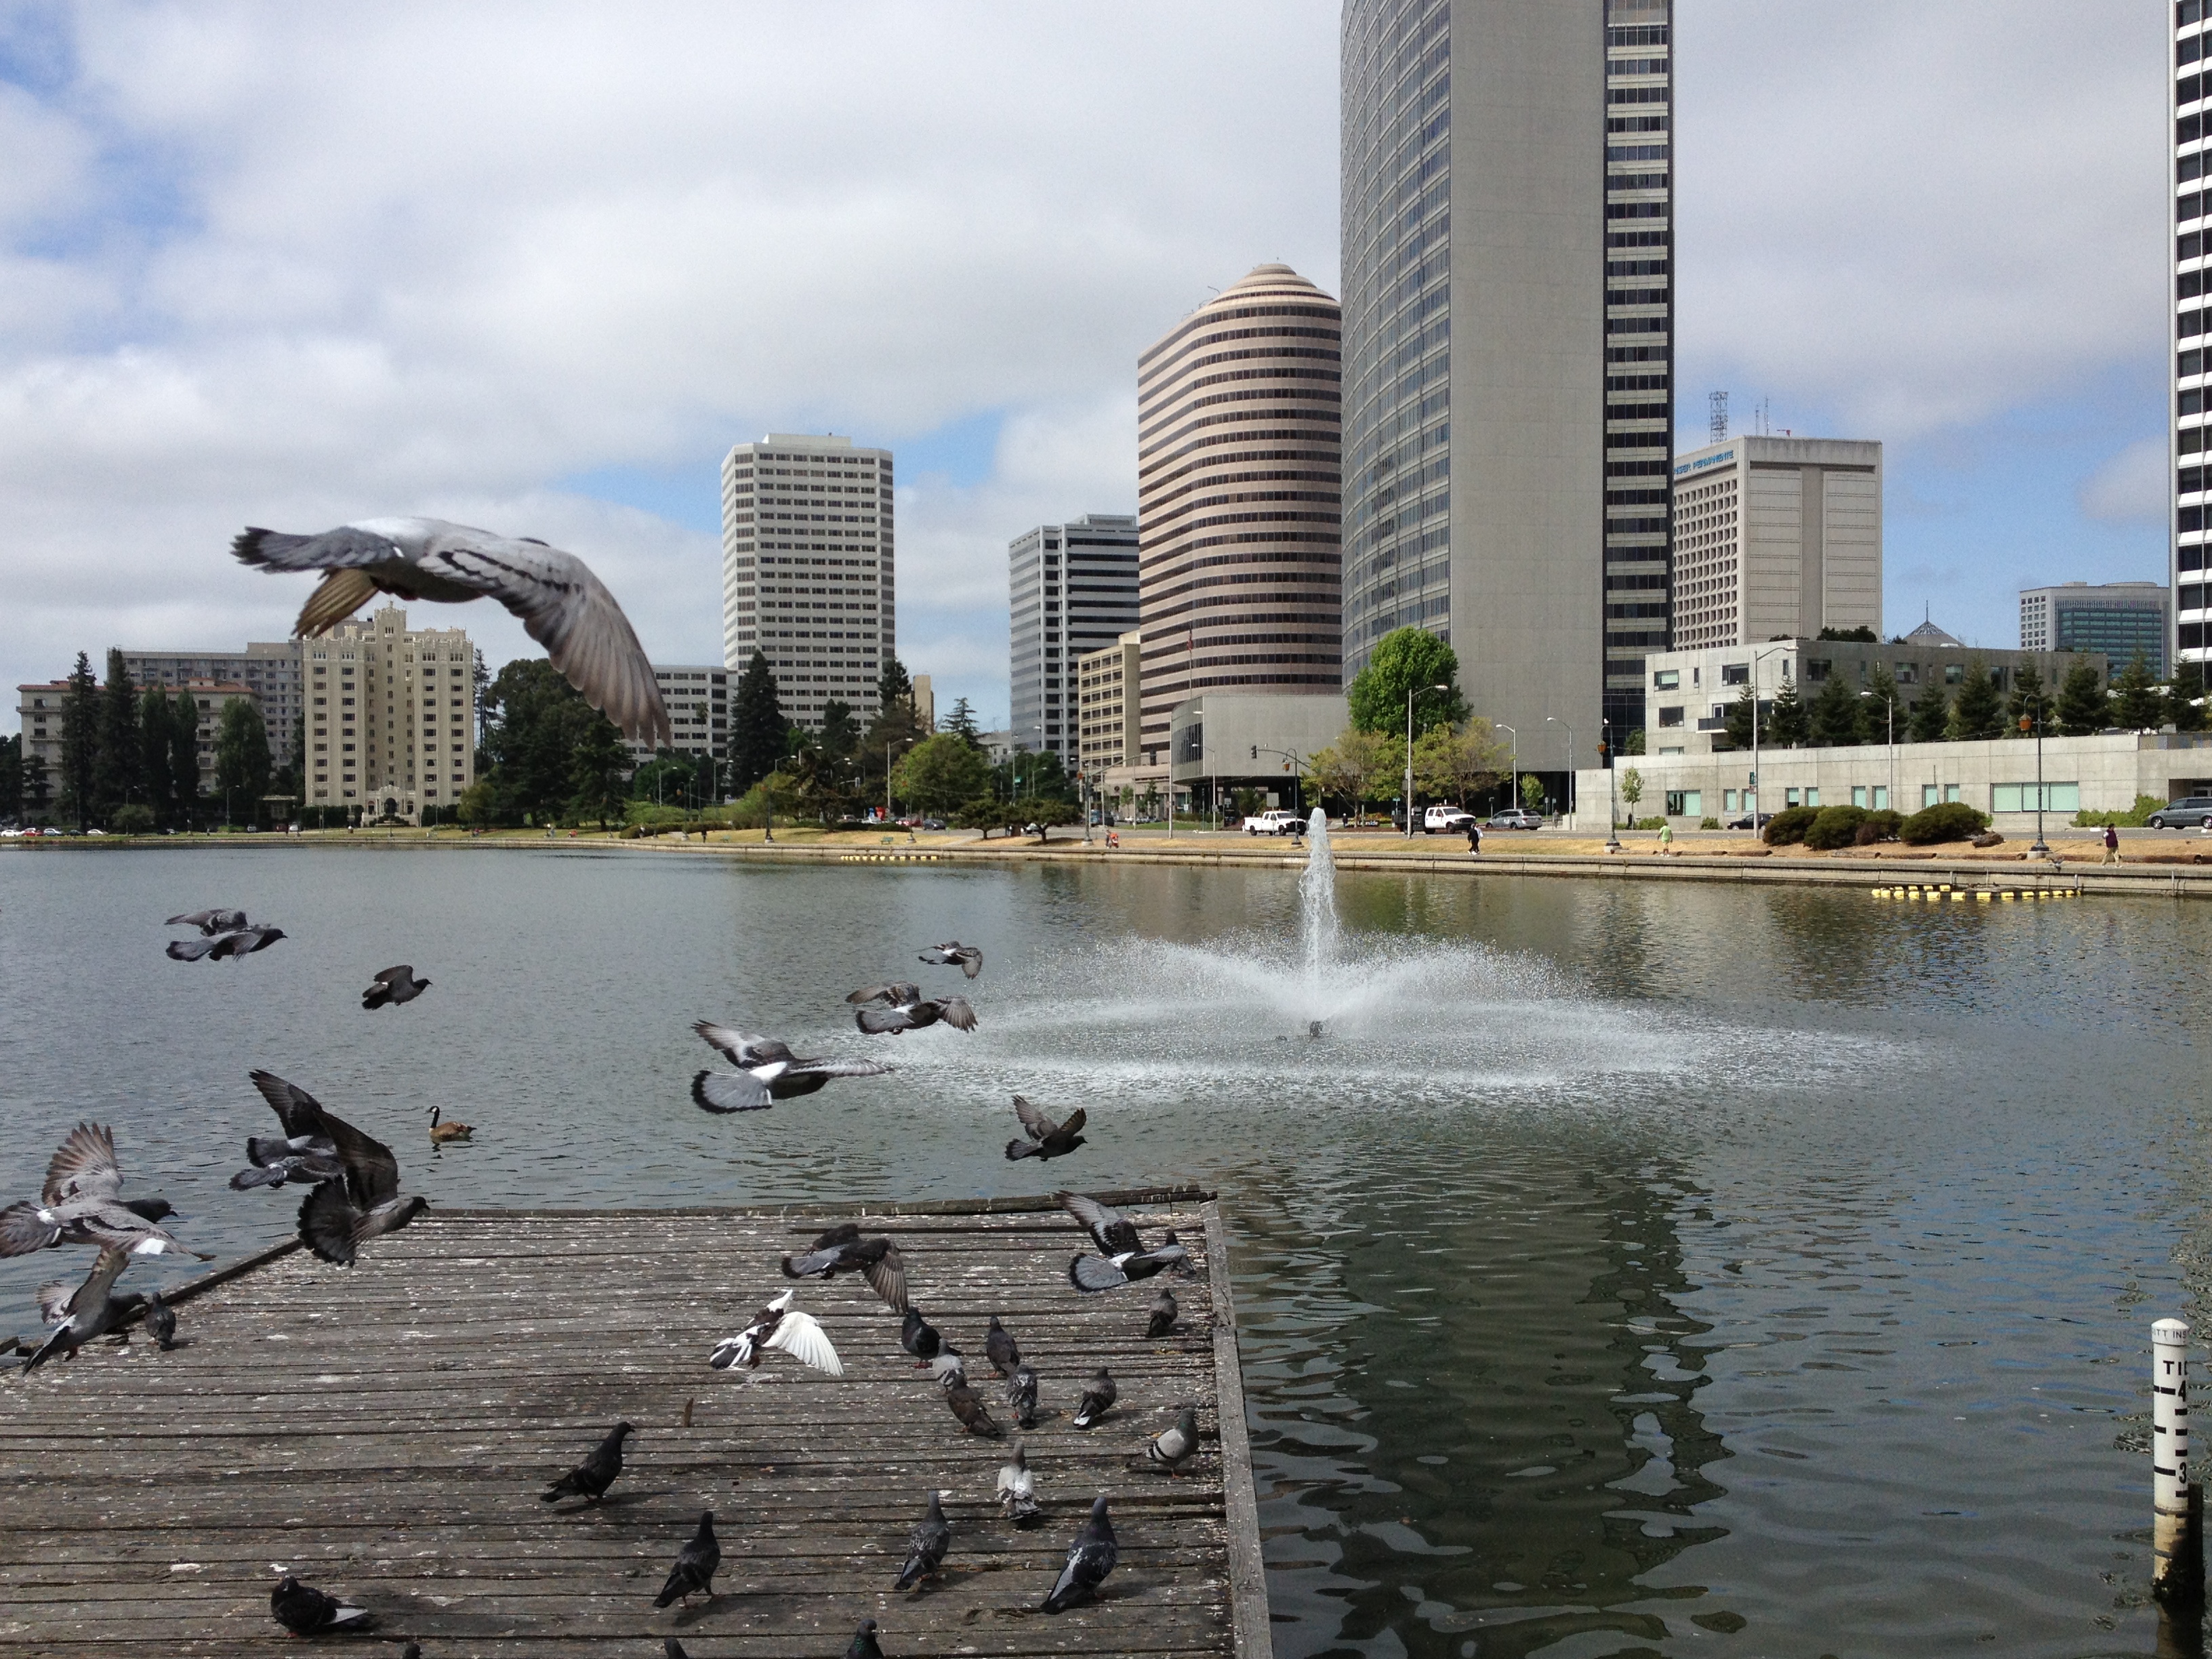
(2177, 1506)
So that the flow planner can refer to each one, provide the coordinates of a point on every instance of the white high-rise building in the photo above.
(2191, 122)
(1071, 589)
(807, 570)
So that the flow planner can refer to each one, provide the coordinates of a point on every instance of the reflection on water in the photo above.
(1624, 1270)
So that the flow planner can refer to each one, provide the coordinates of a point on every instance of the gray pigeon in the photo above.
(562, 605)
(966, 957)
(693, 1571)
(914, 1015)
(392, 987)
(160, 1322)
(1047, 1138)
(863, 1645)
(999, 1347)
(1163, 1314)
(1018, 1490)
(341, 1215)
(82, 1203)
(89, 1310)
(590, 1479)
(1110, 1272)
(1171, 1449)
(766, 1072)
(1099, 1394)
(1090, 1558)
(842, 1250)
(925, 1544)
(305, 1153)
(209, 922)
(900, 993)
(1022, 1395)
(306, 1610)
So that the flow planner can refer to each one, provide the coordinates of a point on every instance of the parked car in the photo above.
(1745, 823)
(1445, 819)
(1515, 818)
(2194, 812)
(1278, 822)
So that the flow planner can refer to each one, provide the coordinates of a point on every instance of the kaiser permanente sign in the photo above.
(1704, 461)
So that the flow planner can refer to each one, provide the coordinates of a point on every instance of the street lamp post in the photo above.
(1411, 692)
(1553, 719)
(2040, 847)
(1612, 797)
(1516, 773)
(1757, 657)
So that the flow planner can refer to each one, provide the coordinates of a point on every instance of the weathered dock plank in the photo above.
(387, 1431)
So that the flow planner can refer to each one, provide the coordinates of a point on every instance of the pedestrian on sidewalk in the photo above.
(1473, 837)
(2111, 845)
(1666, 838)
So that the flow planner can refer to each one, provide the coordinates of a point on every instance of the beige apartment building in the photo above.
(390, 708)
(1108, 699)
(39, 708)
(268, 668)
(1239, 492)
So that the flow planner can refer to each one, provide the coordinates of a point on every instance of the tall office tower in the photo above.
(1240, 494)
(2192, 123)
(1776, 537)
(269, 668)
(697, 698)
(1072, 590)
(389, 716)
(1508, 224)
(2120, 619)
(807, 570)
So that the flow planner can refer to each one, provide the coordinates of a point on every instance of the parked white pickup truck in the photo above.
(1444, 819)
(1278, 822)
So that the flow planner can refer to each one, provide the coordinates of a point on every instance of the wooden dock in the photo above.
(385, 1431)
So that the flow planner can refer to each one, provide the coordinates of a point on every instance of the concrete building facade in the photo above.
(2116, 619)
(1776, 537)
(391, 717)
(697, 698)
(1071, 589)
(271, 669)
(1225, 741)
(1508, 346)
(1239, 490)
(808, 569)
(1109, 702)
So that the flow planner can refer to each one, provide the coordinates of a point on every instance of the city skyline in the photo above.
(227, 312)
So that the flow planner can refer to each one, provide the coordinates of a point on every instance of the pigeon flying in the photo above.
(975, 1417)
(210, 923)
(306, 1610)
(1018, 1490)
(1171, 1449)
(693, 1571)
(1090, 1558)
(966, 957)
(239, 942)
(392, 987)
(920, 1338)
(912, 1016)
(864, 1642)
(563, 606)
(902, 994)
(783, 1327)
(89, 1310)
(82, 1203)
(1022, 1395)
(925, 1546)
(590, 1479)
(160, 1322)
(842, 1250)
(1047, 1138)
(340, 1216)
(1114, 1233)
(305, 1151)
(998, 1346)
(766, 1072)
(1105, 1272)
(1099, 1394)
(1163, 1314)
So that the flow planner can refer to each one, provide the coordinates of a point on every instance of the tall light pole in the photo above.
(1612, 799)
(1516, 773)
(2040, 847)
(1553, 719)
(1757, 657)
(1411, 692)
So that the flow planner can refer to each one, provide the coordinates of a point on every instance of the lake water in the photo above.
(1625, 1269)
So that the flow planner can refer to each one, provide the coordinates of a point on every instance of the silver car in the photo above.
(2194, 812)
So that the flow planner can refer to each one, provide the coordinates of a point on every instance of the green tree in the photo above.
(1787, 724)
(2184, 695)
(940, 773)
(1451, 763)
(1353, 768)
(2083, 706)
(1632, 789)
(1532, 792)
(599, 770)
(1738, 726)
(894, 685)
(1977, 712)
(241, 760)
(535, 723)
(757, 726)
(1407, 659)
(119, 779)
(2137, 705)
(1931, 716)
(839, 740)
(2028, 701)
(153, 717)
(185, 759)
(895, 729)
(1859, 635)
(80, 744)
(1836, 714)
(1883, 705)
(11, 778)
(961, 725)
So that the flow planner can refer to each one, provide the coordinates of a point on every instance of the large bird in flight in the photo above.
(563, 606)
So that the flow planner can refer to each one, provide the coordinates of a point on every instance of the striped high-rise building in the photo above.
(1239, 490)
(807, 570)
(1071, 590)
(1508, 227)
(2193, 226)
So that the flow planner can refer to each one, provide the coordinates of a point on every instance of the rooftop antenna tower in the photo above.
(1765, 404)
(1717, 416)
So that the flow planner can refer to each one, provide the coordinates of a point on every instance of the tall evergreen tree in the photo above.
(1931, 716)
(119, 779)
(2137, 705)
(11, 778)
(2028, 701)
(1835, 714)
(962, 724)
(2083, 705)
(185, 759)
(1787, 724)
(1884, 706)
(1739, 718)
(599, 770)
(757, 725)
(241, 760)
(2184, 695)
(894, 685)
(80, 778)
(1977, 712)
(840, 736)
(154, 715)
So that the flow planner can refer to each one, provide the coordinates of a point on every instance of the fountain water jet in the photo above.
(1317, 896)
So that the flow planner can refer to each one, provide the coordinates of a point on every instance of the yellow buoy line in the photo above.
(1944, 893)
(888, 857)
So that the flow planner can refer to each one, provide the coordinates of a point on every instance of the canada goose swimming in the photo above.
(442, 1132)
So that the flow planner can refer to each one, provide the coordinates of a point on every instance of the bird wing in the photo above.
(971, 962)
(1076, 1120)
(838, 1068)
(1113, 1231)
(22, 1232)
(956, 1012)
(898, 995)
(372, 1172)
(1096, 1273)
(398, 975)
(1038, 1125)
(91, 1294)
(801, 1336)
(729, 1092)
(566, 609)
(190, 949)
(328, 1222)
(886, 1276)
(741, 1047)
(83, 1166)
(299, 1112)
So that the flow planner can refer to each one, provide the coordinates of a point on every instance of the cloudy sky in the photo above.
(537, 267)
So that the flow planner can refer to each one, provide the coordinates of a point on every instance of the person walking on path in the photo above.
(1666, 838)
(1473, 837)
(2111, 845)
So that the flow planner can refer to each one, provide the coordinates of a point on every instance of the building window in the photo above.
(2021, 798)
(1881, 797)
(1666, 679)
(1686, 803)
(1736, 673)
(1950, 791)
(1670, 716)
(1928, 794)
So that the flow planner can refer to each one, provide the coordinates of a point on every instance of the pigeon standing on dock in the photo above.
(920, 1338)
(562, 605)
(766, 1072)
(842, 1250)
(782, 1326)
(976, 1417)
(1017, 1489)
(590, 1479)
(1172, 1447)
(954, 954)
(90, 1309)
(1022, 1395)
(1163, 1314)
(950, 1367)
(693, 1571)
(925, 1544)
(999, 1347)
(1047, 1138)
(82, 1202)
(1099, 1394)
(863, 1644)
(1090, 1558)
(160, 1322)
(392, 987)
(306, 1610)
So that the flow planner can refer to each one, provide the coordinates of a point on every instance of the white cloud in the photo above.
(2131, 488)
